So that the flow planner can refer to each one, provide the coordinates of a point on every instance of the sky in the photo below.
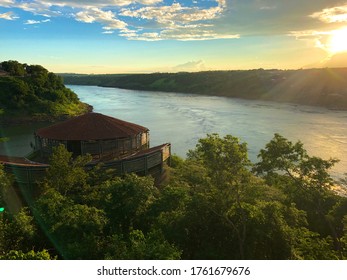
(141, 36)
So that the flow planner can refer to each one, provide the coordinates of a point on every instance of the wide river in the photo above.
(182, 119)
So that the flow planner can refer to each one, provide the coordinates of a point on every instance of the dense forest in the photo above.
(32, 92)
(215, 204)
(316, 87)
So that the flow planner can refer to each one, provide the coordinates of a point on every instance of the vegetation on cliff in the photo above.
(316, 87)
(32, 92)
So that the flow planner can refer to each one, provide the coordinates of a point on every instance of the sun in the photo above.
(338, 41)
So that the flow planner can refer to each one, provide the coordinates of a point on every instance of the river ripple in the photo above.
(182, 119)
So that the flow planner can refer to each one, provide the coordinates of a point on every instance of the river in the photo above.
(182, 119)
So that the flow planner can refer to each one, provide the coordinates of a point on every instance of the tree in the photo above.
(73, 228)
(126, 202)
(139, 246)
(281, 155)
(66, 174)
(227, 165)
(32, 90)
(30, 255)
(14, 68)
(212, 207)
(305, 179)
(216, 205)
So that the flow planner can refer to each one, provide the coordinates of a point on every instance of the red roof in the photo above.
(91, 126)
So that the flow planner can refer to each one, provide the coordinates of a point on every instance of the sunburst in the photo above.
(338, 41)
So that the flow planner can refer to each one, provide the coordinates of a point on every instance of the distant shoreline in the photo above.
(325, 88)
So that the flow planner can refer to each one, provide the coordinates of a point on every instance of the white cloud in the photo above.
(179, 35)
(36, 8)
(85, 17)
(330, 15)
(305, 34)
(175, 13)
(8, 16)
(178, 22)
(222, 3)
(100, 3)
(128, 33)
(319, 39)
(191, 66)
(146, 36)
(195, 34)
(6, 3)
(31, 21)
(322, 39)
(107, 18)
(151, 36)
(135, 19)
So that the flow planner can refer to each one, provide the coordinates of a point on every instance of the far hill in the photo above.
(325, 87)
(30, 92)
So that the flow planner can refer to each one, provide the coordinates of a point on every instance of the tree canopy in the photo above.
(33, 91)
(216, 204)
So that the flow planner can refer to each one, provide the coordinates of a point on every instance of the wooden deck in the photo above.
(20, 161)
(149, 161)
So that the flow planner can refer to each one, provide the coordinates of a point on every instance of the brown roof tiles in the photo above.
(91, 126)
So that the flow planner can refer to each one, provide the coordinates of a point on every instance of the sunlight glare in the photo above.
(338, 41)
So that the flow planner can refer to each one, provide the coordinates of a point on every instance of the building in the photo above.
(116, 144)
(101, 136)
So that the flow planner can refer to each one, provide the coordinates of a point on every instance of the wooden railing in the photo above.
(145, 162)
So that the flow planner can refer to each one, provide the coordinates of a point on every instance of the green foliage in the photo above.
(82, 220)
(216, 205)
(17, 231)
(67, 175)
(72, 228)
(31, 89)
(126, 201)
(306, 182)
(31, 255)
(304, 178)
(141, 247)
(14, 68)
(5, 182)
(176, 161)
(311, 246)
(281, 155)
(225, 159)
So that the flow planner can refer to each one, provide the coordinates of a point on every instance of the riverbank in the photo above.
(18, 118)
(325, 88)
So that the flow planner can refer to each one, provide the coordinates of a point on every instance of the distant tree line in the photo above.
(32, 90)
(216, 204)
(316, 87)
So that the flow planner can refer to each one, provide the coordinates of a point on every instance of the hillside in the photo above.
(31, 92)
(316, 87)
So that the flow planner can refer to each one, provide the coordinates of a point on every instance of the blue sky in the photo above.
(126, 36)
